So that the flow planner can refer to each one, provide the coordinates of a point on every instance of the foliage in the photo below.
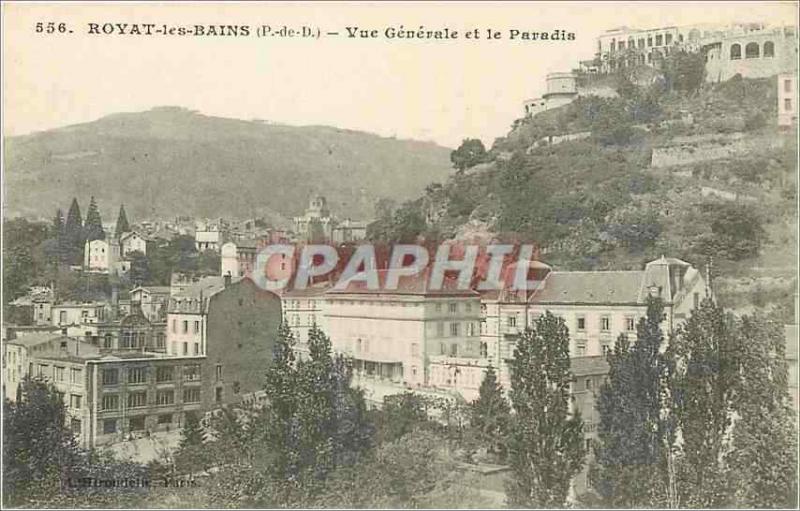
(763, 459)
(685, 71)
(93, 226)
(470, 153)
(633, 439)
(122, 222)
(139, 272)
(402, 414)
(491, 414)
(546, 444)
(21, 241)
(73, 233)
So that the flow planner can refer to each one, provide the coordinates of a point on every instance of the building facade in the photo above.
(787, 100)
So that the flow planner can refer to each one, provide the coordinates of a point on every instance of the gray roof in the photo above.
(590, 287)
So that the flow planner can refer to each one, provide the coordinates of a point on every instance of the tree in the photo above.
(546, 444)
(93, 227)
(763, 459)
(491, 414)
(630, 468)
(73, 233)
(39, 451)
(470, 153)
(685, 71)
(139, 273)
(192, 433)
(704, 379)
(122, 222)
(401, 414)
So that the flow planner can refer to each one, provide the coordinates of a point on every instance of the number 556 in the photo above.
(51, 27)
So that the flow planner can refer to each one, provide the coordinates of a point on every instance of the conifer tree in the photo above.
(491, 414)
(122, 222)
(546, 445)
(192, 434)
(631, 451)
(93, 227)
(73, 234)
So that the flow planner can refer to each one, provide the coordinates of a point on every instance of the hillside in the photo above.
(610, 183)
(170, 161)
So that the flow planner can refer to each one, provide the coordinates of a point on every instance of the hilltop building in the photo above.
(318, 225)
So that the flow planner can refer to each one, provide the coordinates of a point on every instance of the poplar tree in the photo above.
(703, 352)
(491, 414)
(763, 458)
(93, 227)
(122, 222)
(633, 439)
(546, 445)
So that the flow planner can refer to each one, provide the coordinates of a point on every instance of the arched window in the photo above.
(769, 49)
(736, 51)
(751, 51)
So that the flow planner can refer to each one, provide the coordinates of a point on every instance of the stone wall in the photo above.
(694, 149)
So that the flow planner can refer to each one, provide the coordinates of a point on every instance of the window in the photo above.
(641, 43)
(160, 341)
(512, 321)
(453, 308)
(75, 426)
(588, 444)
(605, 324)
(191, 372)
(580, 350)
(62, 317)
(622, 45)
(769, 50)
(75, 401)
(588, 384)
(137, 399)
(191, 395)
(186, 348)
(484, 350)
(414, 349)
(137, 375)
(219, 372)
(164, 373)
(581, 323)
(110, 402)
(108, 341)
(752, 51)
(197, 348)
(218, 394)
(454, 350)
(442, 348)
(668, 39)
(165, 397)
(75, 375)
(109, 426)
(787, 86)
(136, 423)
(110, 377)
(185, 327)
(165, 418)
(174, 326)
(736, 51)
(787, 104)
(59, 373)
(196, 327)
(468, 307)
(453, 329)
(439, 329)
(630, 323)
(650, 41)
(606, 349)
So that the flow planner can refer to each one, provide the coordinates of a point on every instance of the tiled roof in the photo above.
(590, 287)
(407, 285)
(587, 366)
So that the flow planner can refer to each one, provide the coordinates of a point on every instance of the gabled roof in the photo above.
(153, 289)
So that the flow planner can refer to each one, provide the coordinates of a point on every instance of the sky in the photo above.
(441, 91)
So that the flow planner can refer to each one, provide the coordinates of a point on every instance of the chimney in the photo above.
(227, 279)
